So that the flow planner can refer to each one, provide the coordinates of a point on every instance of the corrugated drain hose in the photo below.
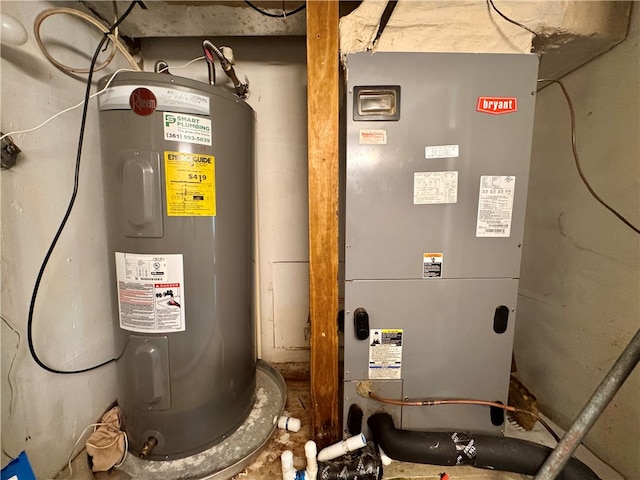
(461, 448)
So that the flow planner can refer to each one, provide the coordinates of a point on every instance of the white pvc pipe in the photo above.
(288, 472)
(340, 448)
(386, 459)
(310, 451)
(291, 424)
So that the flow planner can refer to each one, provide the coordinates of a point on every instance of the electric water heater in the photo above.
(177, 159)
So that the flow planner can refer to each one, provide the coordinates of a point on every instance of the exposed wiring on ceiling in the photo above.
(284, 14)
(63, 223)
(511, 20)
(455, 401)
(112, 36)
(384, 19)
(576, 158)
(536, 46)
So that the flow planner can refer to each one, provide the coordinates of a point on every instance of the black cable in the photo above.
(536, 34)
(577, 159)
(69, 209)
(274, 15)
(384, 19)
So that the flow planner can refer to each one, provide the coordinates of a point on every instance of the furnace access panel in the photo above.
(437, 163)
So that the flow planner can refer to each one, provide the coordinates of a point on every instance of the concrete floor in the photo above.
(267, 465)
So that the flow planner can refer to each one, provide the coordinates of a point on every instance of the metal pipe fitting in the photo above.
(148, 446)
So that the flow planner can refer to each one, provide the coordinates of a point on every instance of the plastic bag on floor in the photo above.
(365, 464)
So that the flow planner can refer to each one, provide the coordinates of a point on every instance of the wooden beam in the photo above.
(323, 126)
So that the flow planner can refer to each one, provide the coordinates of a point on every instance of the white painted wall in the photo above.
(579, 301)
(42, 412)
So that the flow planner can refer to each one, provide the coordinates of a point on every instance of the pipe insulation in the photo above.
(462, 448)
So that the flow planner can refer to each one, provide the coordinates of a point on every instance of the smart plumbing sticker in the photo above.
(385, 353)
(186, 128)
(150, 292)
(495, 205)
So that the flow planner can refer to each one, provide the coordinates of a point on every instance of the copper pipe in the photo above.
(148, 446)
(461, 401)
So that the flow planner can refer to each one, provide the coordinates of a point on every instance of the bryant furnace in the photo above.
(437, 165)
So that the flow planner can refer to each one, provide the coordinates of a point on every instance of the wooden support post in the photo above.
(323, 131)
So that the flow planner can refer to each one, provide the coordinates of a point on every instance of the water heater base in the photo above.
(228, 457)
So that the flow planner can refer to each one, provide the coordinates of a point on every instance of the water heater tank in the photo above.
(177, 159)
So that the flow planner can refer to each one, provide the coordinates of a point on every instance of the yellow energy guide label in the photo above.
(190, 182)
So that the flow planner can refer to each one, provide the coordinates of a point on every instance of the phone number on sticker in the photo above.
(187, 137)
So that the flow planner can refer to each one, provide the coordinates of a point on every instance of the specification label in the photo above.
(441, 151)
(190, 184)
(435, 187)
(495, 206)
(150, 292)
(186, 128)
(385, 353)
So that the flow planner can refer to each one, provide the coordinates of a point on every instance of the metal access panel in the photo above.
(437, 165)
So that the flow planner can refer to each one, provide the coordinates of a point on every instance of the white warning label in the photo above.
(441, 151)
(495, 206)
(385, 353)
(150, 292)
(435, 187)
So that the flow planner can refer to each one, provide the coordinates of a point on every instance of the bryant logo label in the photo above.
(497, 105)
(142, 101)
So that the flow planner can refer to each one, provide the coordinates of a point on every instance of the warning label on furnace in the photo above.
(190, 184)
(435, 187)
(495, 206)
(187, 128)
(385, 353)
(432, 265)
(150, 292)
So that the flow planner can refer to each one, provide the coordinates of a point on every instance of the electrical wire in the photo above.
(182, 66)
(9, 381)
(13, 358)
(576, 158)
(460, 401)
(53, 117)
(109, 32)
(490, 2)
(274, 15)
(63, 223)
(537, 45)
(107, 85)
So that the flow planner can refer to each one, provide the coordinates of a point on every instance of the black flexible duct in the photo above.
(477, 450)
